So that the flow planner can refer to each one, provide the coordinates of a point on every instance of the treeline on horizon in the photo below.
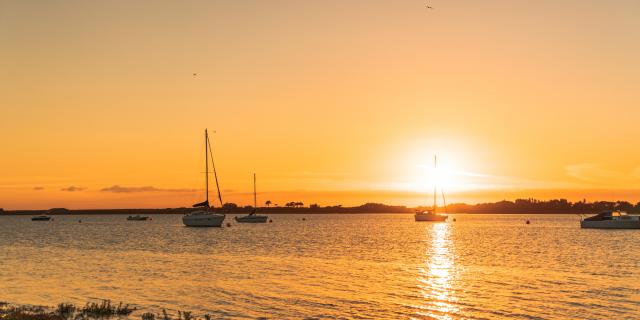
(518, 206)
(531, 206)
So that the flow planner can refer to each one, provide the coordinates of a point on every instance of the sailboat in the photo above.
(137, 217)
(205, 217)
(253, 217)
(41, 218)
(430, 214)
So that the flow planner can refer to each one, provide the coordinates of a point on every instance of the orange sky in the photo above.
(327, 101)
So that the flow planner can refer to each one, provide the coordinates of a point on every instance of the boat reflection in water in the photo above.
(436, 278)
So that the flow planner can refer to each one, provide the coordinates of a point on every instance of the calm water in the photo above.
(329, 266)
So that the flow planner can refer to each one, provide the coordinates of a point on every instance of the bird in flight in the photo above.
(195, 74)
(428, 6)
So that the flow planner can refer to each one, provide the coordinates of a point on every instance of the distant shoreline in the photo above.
(519, 206)
(164, 212)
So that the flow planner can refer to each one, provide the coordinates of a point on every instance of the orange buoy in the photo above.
(270, 220)
(228, 224)
(528, 222)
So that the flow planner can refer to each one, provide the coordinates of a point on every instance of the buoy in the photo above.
(228, 224)
(79, 221)
(528, 222)
(270, 220)
(454, 219)
(304, 219)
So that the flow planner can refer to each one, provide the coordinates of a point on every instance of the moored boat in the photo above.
(137, 218)
(203, 218)
(431, 214)
(40, 218)
(253, 217)
(206, 217)
(611, 220)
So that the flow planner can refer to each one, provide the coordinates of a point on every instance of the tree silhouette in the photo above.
(229, 205)
(268, 203)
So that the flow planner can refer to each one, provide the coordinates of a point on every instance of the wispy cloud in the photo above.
(598, 174)
(73, 189)
(38, 188)
(120, 189)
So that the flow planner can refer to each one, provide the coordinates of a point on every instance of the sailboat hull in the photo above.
(610, 224)
(252, 219)
(203, 219)
(430, 217)
(137, 218)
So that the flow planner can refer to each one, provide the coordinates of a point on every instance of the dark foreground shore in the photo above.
(103, 310)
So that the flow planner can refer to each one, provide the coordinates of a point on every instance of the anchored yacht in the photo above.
(431, 215)
(40, 218)
(611, 220)
(137, 217)
(206, 217)
(253, 217)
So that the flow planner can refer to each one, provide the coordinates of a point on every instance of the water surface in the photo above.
(344, 266)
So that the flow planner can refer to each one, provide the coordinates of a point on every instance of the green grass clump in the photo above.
(65, 310)
(182, 315)
(105, 309)
(102, 310)
(148, 316)
(8, 312)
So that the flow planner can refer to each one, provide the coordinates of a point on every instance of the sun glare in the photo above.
(437, 171)
(441, 162)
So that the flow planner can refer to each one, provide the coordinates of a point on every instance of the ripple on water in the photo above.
(330, 266)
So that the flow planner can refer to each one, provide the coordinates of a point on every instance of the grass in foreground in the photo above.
(91, 311)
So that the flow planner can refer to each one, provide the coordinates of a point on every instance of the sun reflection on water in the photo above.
(435, 278)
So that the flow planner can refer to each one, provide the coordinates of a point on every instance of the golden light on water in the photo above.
(435, 279)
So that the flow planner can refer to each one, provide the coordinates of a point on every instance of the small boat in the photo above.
(611, 220)
(137, 218)
(431, 214)
(206, 217)
(41, 218)
(253, 217)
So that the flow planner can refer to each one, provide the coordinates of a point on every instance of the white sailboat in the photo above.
(253, 217)
(206, 217)
(430, 214)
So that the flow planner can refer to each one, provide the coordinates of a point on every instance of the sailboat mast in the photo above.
(206, 164)
(435, 184)
(255, 202)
